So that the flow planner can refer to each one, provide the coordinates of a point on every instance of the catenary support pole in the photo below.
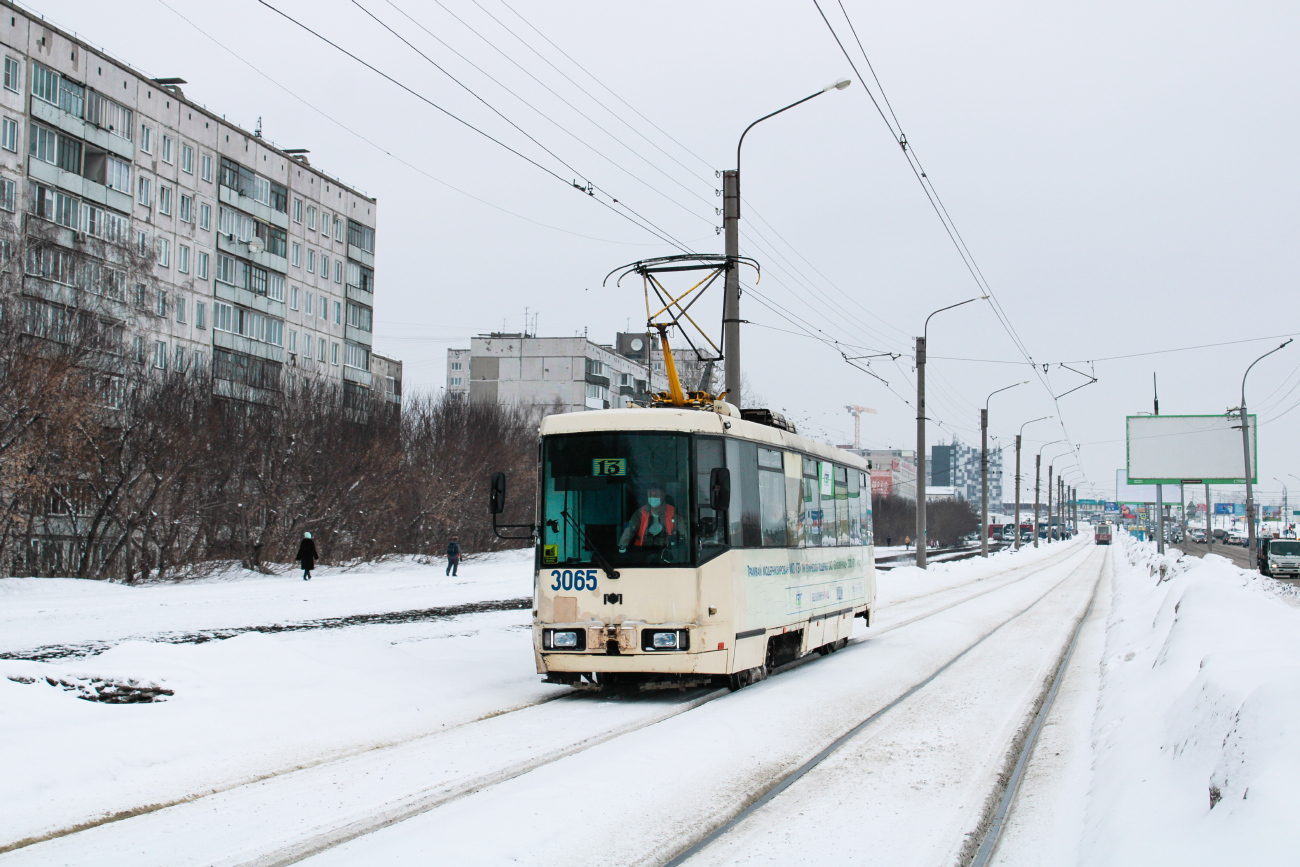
(1038, 466)
(1209, 520)
(920, 453)
(1016, 543)
(731, 286)
(1160, 519)
(984, 482)
(1049, 502)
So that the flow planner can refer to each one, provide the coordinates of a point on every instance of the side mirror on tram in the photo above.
(497, 494)
(719, 489)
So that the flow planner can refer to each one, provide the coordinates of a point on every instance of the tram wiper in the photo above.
(610, 571)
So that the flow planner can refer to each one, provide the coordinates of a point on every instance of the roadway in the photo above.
(1238, 555)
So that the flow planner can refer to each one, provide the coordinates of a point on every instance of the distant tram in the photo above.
(1102, 533)
(684, 546)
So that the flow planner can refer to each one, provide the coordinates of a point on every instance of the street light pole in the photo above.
(731, 231)
(1286, 506)
(984, 470)
(1038, 465)
(1016, 543)
(920, 432)
(1245, 447)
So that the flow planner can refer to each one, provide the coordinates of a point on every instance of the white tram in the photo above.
(682, 546)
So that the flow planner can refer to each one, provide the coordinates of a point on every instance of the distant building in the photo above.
(893, 471)
(555, 374)
(387, 374)
(956, 465)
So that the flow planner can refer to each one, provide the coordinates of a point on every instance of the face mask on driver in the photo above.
(654, 502)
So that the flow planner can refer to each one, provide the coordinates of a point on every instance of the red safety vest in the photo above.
(645, 522)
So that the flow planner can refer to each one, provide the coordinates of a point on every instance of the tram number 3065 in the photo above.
(574, 579)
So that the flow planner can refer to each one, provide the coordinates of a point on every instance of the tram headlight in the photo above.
(563, 639)
(665, 639)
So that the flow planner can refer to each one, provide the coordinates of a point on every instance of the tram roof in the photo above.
(691, 421)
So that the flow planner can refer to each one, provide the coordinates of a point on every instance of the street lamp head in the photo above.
(839, 85)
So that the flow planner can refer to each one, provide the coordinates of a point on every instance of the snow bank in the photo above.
(1196, 758)
(36, 612)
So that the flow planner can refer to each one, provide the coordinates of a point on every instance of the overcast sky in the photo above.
(1123, 173)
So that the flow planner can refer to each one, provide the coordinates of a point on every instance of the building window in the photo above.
(311, 261)
(338, 313)
(145, 198)
(142, 242)
(58, 207)
(164, 200)
(8, 195)
(160, 355)
(205, 167)
(187, 208)
(338, 228)
(180, 359)
(356, 356)
(182, 259)
(297, 210)
(45, 84)
(338, 271)
(293, 341)
(361, 318)
(117, 174)
(164, 252)
(161, 307)
(45, 144)
(334, 353)
(361, 236)
(109, 115)
(146, 138)
(187, 159)
(180, 309)
(307, 308)
(11, 74)
(297, 254)
(9, 136)
(200, 315)
(166, 148)
(311, 219)
(320, 346)
(324, 266)
(205, 216)
(455, 365)
(325, 223)
(323, 307)
(455, 380)
(203, 265)
(293, 297)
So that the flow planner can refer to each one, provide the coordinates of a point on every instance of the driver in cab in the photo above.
(652, 525)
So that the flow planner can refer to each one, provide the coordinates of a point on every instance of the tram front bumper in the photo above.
(686, 662)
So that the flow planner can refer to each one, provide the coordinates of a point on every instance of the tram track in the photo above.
(351, 822)
(981, 840)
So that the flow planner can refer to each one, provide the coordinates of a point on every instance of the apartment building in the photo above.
(262, 265)
(554, 374)
(956, 465)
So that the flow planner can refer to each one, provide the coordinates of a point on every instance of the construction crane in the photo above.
(856, 412)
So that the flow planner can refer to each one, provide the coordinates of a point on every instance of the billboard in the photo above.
(1126, 493)
(1205, 449)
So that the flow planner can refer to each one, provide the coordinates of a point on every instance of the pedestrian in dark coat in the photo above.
(453, 555)
(306, 555)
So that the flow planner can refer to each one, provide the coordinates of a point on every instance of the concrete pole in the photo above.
(1038, 466)
(984, 482)
(1049, 502)
(920, 453)
(1250, 491)
(1160, 519)
(1209, 528)
(1016, 544)
(731, 293)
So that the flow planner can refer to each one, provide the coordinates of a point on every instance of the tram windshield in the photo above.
(625, 495)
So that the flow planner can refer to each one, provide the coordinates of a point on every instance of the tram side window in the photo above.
(794, 500)
(810, 514)
(709, 453)
(744, 516)
(771, 497)
(864, 501)
(855, 511)
(841, 506)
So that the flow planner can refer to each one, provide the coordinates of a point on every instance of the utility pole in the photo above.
(1209, 526)
(1049, 502)
(920, 450)
(1016, 543)
(1245, 446)
(731, 285)
(1160, 501)
(984, 482)
(1038, 465)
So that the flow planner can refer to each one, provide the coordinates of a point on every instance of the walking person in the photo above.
(306, 555)
(453, 555)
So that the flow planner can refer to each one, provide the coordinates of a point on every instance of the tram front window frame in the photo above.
(609, 475)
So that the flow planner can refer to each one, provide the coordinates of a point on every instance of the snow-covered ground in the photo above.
(1178, 688)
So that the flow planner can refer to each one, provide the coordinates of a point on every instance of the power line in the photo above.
(663, 236)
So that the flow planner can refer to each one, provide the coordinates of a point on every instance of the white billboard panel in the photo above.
(1188, 448)
(1126, 493)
